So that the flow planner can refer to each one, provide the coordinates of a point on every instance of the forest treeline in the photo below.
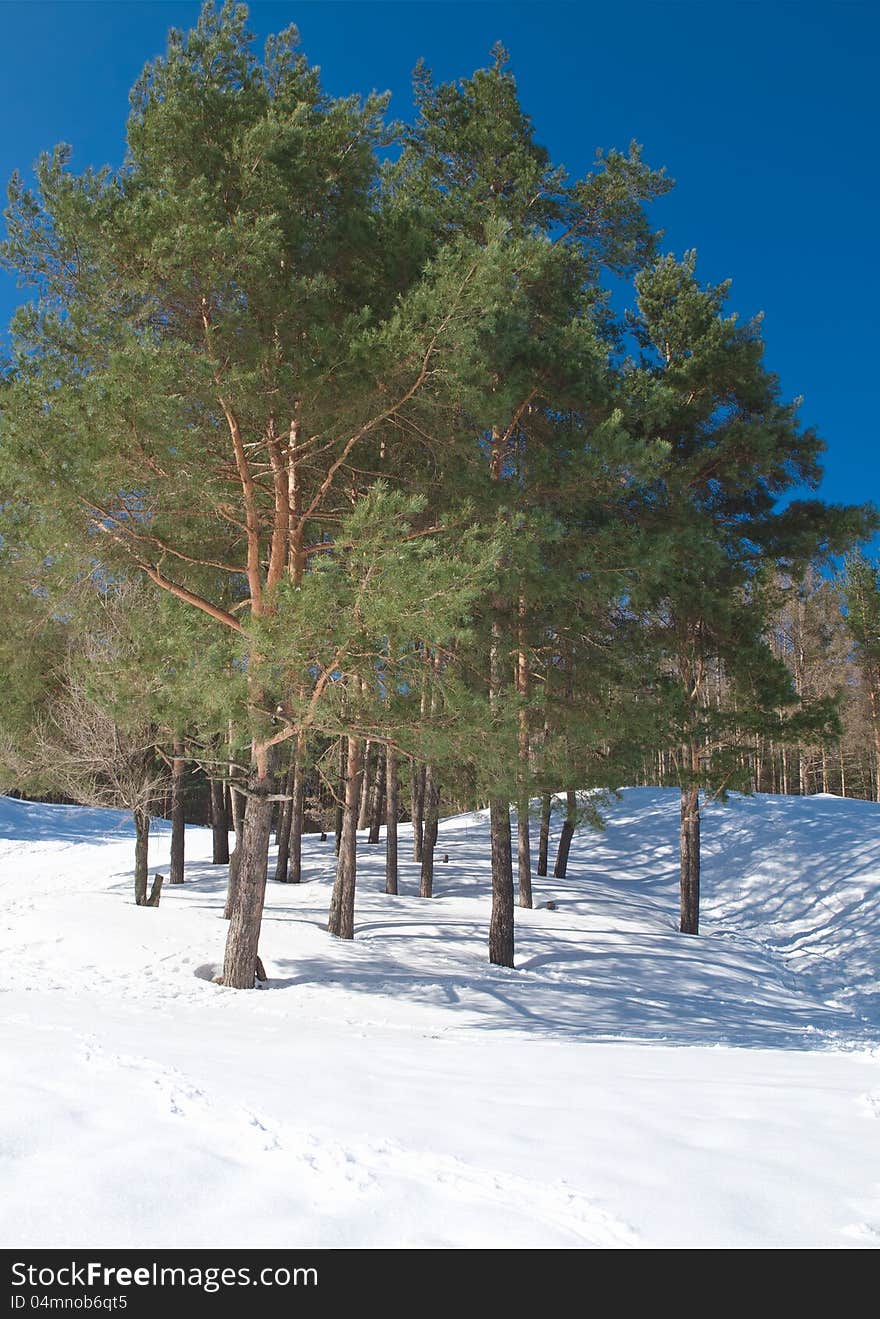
(337, 483)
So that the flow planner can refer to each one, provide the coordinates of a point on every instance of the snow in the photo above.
(624, 1086)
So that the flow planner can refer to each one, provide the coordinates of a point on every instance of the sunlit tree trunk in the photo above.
(341, 921)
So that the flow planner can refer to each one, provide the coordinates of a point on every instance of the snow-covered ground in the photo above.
(624, 1086)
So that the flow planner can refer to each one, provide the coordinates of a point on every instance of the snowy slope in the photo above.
(624, 1086)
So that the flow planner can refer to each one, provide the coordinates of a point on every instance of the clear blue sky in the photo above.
(765, 114)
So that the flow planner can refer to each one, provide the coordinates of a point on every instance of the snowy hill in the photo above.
(624, 1086)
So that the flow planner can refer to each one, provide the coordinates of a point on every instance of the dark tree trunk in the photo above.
(544, 839)
(418, 810)
(282, 863)
(297, 814)
(248, 893)
(340, 791)
(178, 818)
(341, 921)
(501, 923)
(690, 860)
(377, 797)
(141, 846)
(219, 824)
(566, 835)
(429, 841)
(391, 809)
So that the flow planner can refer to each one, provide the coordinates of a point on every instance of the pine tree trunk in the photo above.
(418, 810)
(391, 811)
(523, 854)
(282, 863)
(565, 837)
(178, 819)
(238, 802)
(237, 805)
(501, 932)
(141, 847)
(236, 815)
(340, 791)
(523, 847)
(366, 787)
(341, 920)
(236, 799)
(501, 945)
(429, 842)
(377, 797)
(690, 859)
(297, 813)
(232, 881)
(219, 824)
(544, 838)
(248, 893)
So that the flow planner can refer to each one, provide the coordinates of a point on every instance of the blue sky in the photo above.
(765, 114)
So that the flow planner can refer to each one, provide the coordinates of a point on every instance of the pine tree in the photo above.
(733, 448)
(223, 329)
(531, 378)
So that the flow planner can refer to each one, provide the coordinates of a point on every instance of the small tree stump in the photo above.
(155, 891)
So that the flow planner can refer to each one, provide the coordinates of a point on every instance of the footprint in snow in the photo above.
(180, 1097)
(554, 1205)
